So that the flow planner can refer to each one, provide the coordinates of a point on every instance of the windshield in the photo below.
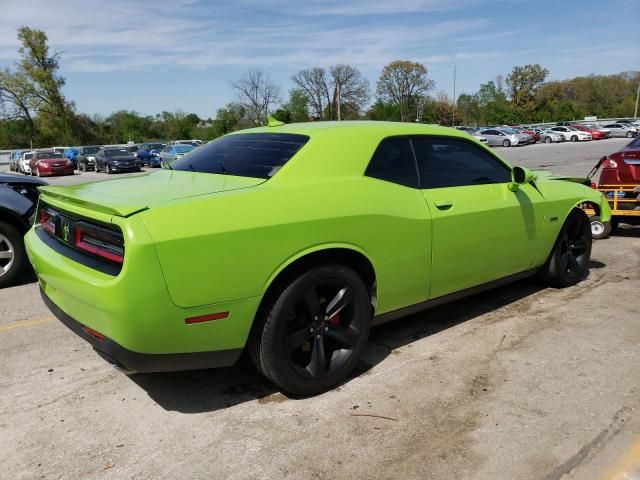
(155, 146)
(50, 155)
(116, 153)
(258, 155)
(90, 149)
(183, 148)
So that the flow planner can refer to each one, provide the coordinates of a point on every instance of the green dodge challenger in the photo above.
(293, 240)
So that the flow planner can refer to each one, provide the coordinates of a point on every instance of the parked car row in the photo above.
(106, 158)
(511, 136)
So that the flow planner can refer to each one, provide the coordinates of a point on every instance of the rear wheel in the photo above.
(12, 254)
(629, 134)
(506, 143)
(568, 263)
(315, 331)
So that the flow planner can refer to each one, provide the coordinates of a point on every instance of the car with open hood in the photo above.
(292, 241)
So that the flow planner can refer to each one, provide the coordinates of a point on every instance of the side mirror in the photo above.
(520, 176)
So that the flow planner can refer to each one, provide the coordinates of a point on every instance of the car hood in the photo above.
(127, 196)
(12, 179)
(544, 175)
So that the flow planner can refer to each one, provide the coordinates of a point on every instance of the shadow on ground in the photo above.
(215, 389)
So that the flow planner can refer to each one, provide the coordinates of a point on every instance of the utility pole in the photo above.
(453, 117)
(635, 112)
(339, 99)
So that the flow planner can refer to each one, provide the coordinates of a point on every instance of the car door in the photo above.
(392, 188)
(481, 230)
(493, 137)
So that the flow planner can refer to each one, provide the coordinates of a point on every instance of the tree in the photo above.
(522, 85)
(256, 92)
(404, 83)
(350, 89)
(315, 84)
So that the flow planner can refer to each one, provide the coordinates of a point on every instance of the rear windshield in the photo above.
(258, 155)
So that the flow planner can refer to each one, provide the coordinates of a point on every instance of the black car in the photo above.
(113, 160)
(86, 158)
(18, 200)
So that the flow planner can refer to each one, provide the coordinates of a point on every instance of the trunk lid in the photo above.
(126, 196)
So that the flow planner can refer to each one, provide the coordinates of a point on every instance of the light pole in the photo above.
(453, 117)
(635, 112)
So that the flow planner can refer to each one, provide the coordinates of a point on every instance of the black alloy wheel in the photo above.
(569, 261)
(315, 332)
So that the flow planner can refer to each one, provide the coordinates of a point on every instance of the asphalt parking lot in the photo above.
(522, 382)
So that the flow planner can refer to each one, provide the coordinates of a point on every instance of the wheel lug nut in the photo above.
(318, 337)
(315, 318)
(311, 330)
(326, 329)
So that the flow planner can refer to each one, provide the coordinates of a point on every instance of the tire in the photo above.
(506, 143)
(81, 167)
(547, 140)
(599, 229)
(298, 314)
(615, 224)
(568, 263)
(574, 138)
(107, 169)
(629, 134)
(12, 254)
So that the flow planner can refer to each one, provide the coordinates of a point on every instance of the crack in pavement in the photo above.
(594, 446)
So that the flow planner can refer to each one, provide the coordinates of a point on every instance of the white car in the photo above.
(572, 134)
(23, 165)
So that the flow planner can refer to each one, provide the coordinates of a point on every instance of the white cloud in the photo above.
(99, 36)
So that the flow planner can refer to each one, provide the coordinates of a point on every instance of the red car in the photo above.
(44, 164)
(595, 134)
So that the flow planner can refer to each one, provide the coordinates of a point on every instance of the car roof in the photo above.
(312, 129)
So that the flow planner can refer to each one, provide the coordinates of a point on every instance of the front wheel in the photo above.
(506, 143)
(108, 169)
(568, 263)
(574, 138)
(547, 140)
(314, 332)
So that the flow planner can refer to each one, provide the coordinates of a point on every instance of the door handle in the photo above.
(444, 204)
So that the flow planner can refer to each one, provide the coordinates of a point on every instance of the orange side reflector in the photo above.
(206, 318)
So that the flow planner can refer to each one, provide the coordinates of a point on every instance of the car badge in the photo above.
(65, 232)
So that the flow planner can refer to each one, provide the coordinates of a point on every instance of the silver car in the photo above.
(549, 136)
(622, 130)
(173, 152)
(505, 137)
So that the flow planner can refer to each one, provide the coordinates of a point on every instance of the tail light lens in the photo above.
(47, 221)
(608, 163)
(101, 242)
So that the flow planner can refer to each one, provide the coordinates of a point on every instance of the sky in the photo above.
(151, 56)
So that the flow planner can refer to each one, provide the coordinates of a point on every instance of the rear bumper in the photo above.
(133, 308)
(142, 362)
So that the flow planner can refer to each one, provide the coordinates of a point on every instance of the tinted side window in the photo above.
(448, 162)
(393, 161)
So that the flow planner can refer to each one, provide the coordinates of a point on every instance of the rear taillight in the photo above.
(100, 242)
(608, 163)
(47, 221)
